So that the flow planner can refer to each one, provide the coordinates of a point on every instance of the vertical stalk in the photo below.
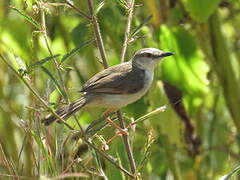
(100, 44)
(221, 63)
(119, 114)
(7, 162)
(127, 145)
(43, 24)
(127, 31)
(97, 33)
(101, 48)
(108, 158)
(172, 160)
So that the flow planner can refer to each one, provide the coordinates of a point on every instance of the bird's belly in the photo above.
(117, 101)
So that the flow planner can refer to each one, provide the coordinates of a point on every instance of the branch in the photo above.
(127, 31)
(97, 34)
(121, 122)
(83, 14)
(222, 65)
(127, 145)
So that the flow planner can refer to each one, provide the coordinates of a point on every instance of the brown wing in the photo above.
(119, 79)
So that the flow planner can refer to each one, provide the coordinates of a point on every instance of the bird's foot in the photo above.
(120, 130)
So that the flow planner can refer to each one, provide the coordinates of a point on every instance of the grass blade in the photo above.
(28, 18)
(228, 176)
(42, 61)
(139, 27)
(120, 163)
(99, 7)
(54, 81)
(49, 161)
(123, 3)
(73, 51)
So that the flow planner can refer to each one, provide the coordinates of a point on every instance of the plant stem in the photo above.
(121, 121)
(37, 96)
(127, 31)
(97, 33)
(108, 158)
(221, 63)
(127, 144)
(104, 61)
(172, 160)
(83, 14)
(7, 162)
(43, 24)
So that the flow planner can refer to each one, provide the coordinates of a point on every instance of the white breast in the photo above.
(117, 101)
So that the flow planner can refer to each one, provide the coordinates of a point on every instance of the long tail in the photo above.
(66, 112)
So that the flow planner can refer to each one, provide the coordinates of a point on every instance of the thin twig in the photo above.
(127, 144)
(44, 30)
(97, 33)
(98, 163)
(84, 138)
(8, 164)
(147, 116)
(127, 31)
(94, 123)
(108, 158)
(101, 48)
(35, 93)
(121, 121)
(78, 10)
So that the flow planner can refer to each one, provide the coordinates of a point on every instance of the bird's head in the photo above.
(148, 58)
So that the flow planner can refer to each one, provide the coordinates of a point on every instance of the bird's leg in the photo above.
(121, 131)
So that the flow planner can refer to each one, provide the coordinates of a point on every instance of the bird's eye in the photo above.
(147, 55)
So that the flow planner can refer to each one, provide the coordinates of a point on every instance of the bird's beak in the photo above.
(166, 54)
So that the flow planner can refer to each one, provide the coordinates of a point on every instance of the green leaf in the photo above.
(42, 61)
(139, 27)
(54, 81)
(200, 10)
(75, 50)
(123, 3)
(99, 7)
(186, 65)
(28, 18)
(234, 171)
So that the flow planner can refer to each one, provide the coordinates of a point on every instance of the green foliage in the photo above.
(188, 63)
(75, 50)
(200, 10)
(28, 18)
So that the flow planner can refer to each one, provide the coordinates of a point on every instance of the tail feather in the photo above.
(66, 111)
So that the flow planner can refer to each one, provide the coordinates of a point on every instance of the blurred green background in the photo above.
(196, 137)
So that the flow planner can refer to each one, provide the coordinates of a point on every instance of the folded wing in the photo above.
(119, 79)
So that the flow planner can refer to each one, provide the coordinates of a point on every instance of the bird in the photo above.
(116, 86)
